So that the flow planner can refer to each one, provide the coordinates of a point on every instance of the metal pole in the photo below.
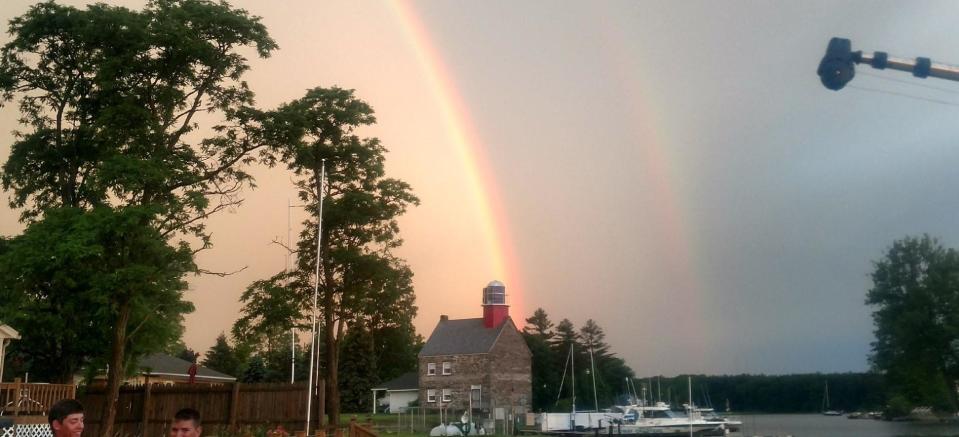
(593, 365)
(292, 355)
(941, 71)
(289, 229)
(572, 379)
(316, 291)
(689, 383)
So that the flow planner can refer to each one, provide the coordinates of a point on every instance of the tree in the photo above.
(58, 278)
(540, 325)
(593, 337)
(545, 376)
(108, 98)
(359, 277)
(225, 358)
(915, 294)
(357, 369)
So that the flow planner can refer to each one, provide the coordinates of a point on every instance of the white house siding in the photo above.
(400, 400)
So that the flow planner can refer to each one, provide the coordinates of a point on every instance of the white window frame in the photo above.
(447, 395)
(447, 368)
(430, 369)
(431, 396)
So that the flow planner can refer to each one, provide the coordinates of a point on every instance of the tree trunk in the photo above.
(332, 379)
(115, 372)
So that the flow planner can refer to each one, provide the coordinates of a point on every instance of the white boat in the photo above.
(659, 419)
(710, 415)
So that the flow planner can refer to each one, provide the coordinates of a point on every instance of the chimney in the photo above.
(444, 318)
(495, 310)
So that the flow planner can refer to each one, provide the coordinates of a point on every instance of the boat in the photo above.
(825, 404)
(710, 415)
(659, 418)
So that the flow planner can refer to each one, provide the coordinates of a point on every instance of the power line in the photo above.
(908, 82)
(908, 96)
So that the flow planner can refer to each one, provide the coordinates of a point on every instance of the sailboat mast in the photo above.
(689, 383)
(659, 391)
(572, 373)
(593, 365)
(572, 380)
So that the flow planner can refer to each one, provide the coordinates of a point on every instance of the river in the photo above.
(816, 425)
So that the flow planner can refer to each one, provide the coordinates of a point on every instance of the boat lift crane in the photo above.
(837, 66)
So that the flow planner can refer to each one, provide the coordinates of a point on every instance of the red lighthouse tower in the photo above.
(495, 309)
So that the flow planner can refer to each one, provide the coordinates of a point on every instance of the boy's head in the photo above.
(66, 418)
(186, 423)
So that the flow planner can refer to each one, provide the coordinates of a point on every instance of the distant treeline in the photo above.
(802, 393)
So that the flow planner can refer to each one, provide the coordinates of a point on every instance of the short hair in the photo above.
(62, 409)
(188, 414)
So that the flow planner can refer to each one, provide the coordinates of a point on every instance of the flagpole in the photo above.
(314, 348)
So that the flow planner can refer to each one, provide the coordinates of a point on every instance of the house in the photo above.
(480, 363)
(166, 369)
(160, 368)
(400, 393)
(7, 333)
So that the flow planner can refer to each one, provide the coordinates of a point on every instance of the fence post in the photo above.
(234, 404)
(16, 396)
(145, 413)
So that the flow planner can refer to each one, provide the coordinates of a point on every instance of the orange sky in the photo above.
(447, 226)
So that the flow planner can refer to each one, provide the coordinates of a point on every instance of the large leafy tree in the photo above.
(109, 101)
(915, 295)
(360, 279)
(62, 274)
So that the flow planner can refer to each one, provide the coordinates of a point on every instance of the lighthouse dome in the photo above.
(495, 283)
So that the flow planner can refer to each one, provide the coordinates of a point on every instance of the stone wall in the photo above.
(511, 371)
(467, 370)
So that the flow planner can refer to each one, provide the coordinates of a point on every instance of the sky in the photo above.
(673, 170)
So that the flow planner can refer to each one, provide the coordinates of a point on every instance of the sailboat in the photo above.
(825, 404)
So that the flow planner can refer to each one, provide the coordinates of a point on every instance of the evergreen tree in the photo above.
(540, 325)
(545, 376)
(224, 358)
(255, 371)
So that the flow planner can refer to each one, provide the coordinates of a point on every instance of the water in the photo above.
(817, 425)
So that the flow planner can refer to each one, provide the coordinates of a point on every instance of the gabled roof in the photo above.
(406, 381)
(463, 336)
(164, 365)
(7, 331)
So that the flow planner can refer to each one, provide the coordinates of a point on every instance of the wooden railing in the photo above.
(20, 398)
(358, 430)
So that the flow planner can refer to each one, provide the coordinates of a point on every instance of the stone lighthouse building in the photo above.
(484, 360)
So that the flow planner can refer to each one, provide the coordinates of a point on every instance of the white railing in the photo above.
(33, 430)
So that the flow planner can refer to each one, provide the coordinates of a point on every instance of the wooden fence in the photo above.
(20, 398)
(146, 410)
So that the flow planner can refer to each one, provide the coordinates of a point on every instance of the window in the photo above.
(447, 395)
(431, 369)
(431, 396)
(476, 392)
(447, 368)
